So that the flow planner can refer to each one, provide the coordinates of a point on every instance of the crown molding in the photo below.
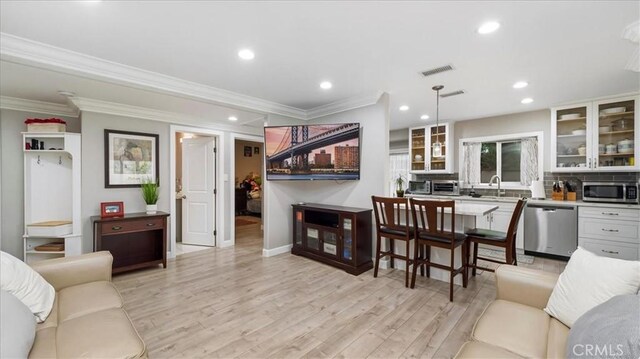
(344, 105)
(118, 109)
(33, 53)
(47, 108)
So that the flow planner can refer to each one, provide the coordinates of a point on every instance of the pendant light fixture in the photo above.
(437, 146)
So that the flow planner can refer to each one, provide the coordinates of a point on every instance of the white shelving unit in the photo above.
(52, 187)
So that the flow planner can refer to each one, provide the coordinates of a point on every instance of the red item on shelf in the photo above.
(46, 120)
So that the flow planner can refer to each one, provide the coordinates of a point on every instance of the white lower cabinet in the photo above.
(611, 232)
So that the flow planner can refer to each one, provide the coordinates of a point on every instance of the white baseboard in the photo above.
(276, 251)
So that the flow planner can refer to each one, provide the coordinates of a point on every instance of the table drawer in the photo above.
(609, 213)
(132, 226)
(610, 248)
(623, 231)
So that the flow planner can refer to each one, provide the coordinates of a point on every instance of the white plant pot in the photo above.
(152, 208)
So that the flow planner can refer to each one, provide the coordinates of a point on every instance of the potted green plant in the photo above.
(400, 186)
(150, 195)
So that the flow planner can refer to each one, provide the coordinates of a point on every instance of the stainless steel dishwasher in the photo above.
(550, 230)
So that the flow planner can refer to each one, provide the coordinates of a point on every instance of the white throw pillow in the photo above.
(17, 327)
(27, 285)
(590, 280)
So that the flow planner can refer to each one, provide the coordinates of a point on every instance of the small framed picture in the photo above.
(111, 209)
(247, 151)
(256, 150)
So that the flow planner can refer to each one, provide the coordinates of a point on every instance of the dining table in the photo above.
(465, 219)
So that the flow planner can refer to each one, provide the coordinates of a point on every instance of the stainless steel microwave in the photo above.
(445, 187)
(419, 187)
(613, 192)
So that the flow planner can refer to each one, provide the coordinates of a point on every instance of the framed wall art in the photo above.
(130, 158)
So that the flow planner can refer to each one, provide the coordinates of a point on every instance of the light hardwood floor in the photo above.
(232, 302)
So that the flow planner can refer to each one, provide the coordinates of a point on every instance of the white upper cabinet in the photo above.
(595, 136)
(421, 140)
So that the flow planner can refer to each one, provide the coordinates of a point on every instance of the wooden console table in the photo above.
(135, 241)
(335, 235)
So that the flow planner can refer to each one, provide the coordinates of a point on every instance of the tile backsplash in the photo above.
(549, 177)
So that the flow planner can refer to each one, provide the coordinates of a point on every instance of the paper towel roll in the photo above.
(537, 189)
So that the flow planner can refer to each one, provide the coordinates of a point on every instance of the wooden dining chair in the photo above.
(392, 222)
(507, 241)
(430, 232)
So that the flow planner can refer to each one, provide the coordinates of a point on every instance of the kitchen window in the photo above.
(516, 159)
(399, 164)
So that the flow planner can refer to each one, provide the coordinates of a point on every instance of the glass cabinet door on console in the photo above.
(347, 239)
(297, 224)
(616, 137)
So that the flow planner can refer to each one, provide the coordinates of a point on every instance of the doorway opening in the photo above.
(195, 192)
(248, 195)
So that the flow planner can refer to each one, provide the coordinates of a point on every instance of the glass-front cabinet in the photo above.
(595, 136)
(423, 159)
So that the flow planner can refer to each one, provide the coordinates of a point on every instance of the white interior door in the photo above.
(198, 187)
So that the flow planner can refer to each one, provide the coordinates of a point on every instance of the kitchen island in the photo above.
(466, 214)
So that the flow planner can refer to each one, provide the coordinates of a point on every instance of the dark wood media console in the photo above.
(335, 235)
(135, 241)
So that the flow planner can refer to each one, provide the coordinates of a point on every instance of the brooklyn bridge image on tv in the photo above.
(313, 152)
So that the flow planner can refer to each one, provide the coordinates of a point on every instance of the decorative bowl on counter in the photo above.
(570, 116)
(625, 146)
(613, 110)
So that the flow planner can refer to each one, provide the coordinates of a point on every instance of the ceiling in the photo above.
(566, 50)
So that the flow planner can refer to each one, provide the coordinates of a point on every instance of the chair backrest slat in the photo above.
(425, 217)
(388, 212)
(512, 231)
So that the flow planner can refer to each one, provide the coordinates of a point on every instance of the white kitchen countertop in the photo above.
(470, 209)
(532, 201)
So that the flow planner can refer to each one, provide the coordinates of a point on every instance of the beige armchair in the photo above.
(87, 319)
(515, 325)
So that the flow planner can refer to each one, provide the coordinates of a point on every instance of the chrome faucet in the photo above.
(497, 178)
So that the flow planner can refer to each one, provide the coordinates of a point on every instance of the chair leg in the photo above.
(475, 258)
(465, 259)
(416, 260)
(515, 254)
(408, 264)
(428, 260)
(451, 274)
(508, 256)
(377, 264)
(421, 254)
(391, 248)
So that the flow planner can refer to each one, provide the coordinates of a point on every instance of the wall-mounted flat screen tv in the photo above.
(313, 152)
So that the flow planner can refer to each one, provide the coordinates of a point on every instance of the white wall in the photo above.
(12, 197)
(374, 143)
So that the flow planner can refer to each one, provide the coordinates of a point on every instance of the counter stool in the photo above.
(429, 234)
(388, 214)
(497, 239)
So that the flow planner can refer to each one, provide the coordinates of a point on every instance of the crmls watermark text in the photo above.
(589, 350)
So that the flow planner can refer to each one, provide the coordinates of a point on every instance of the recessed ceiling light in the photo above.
(424, 117)
(520, 84)
(246, 54)
(488, 27)
(404, 108)
(233, 118)
(527, 100)
(325, 85)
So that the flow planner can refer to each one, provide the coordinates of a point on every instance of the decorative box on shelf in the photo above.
(45, 125)
(50, 229)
